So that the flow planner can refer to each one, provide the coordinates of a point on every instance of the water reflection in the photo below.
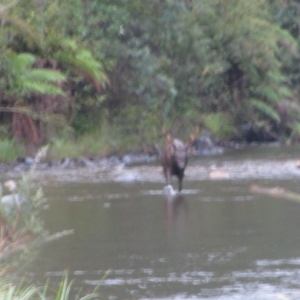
(176, 212)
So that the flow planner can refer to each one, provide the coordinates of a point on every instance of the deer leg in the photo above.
(180, 179)
(167, 174)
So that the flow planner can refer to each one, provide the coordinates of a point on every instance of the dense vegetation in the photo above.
(116, 70)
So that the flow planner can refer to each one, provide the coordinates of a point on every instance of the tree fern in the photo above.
(45, 75)
(64, 50)
(28, 80)
(29, 87)
(21, 61)
(30, 34)
(82, 60)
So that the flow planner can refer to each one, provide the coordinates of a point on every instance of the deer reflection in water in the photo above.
(176, 211)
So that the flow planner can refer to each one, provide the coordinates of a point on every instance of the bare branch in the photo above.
(3, 9)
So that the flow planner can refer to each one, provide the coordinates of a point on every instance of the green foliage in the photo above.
(22, 231)
(145, 64)
(9, 150)
(265, 108)
(99, 142)
(82, 60)
(24, 291)
(10, 291)
(45, 66)
(220, 124)
(22, 79)
(20, 212)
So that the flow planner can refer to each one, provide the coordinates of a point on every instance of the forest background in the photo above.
(95, 77)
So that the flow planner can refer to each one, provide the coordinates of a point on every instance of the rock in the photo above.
(129, 159)
(112, 161)
(13, 200)
(204, 145)
(67, 163)
(29, 161)
(85, 162)
(11, 185)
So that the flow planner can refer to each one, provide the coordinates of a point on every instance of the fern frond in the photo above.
(41, 88)
(285, 91)
(83, 61)
(268, 92)
(45, 75)
(29, 80)
(21, 61)
(265, 108)
(86, 66)
(28, 32)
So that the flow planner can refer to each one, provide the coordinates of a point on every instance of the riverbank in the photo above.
(204, 146)
(262, 162)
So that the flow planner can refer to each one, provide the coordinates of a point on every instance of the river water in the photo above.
(215, 241)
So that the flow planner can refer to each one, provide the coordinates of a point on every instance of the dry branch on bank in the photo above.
(275, 192)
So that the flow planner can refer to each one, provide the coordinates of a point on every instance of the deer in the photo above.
(175, 157)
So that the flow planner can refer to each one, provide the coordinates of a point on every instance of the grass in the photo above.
(9, 150)
(87, 145)
(11, 291)
(99, 142)
(102, 142)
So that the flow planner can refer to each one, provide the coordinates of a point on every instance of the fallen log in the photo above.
(275, 192)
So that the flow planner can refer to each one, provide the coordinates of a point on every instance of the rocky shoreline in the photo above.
(204, 146)
(264, 162)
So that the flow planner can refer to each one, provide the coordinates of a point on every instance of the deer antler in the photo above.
(194, 136)
(167, 134)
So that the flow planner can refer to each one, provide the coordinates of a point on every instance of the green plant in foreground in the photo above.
(21, 224)
(11, 291)
(64, 291)
(22, 228)
(22, 233)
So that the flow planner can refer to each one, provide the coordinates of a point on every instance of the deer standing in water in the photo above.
(175, 157)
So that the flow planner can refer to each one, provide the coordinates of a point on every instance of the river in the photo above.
(215, 241)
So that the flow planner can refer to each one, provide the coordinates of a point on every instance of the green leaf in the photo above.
(83, 61)
(296, 128)
(21, 61)
(41, 88)
(45, 75)
(219, 123)
(268, 92)
(265, 108)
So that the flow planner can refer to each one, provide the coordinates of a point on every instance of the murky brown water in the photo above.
(216, 241)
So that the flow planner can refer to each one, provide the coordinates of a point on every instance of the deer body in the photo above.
(174, 160)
